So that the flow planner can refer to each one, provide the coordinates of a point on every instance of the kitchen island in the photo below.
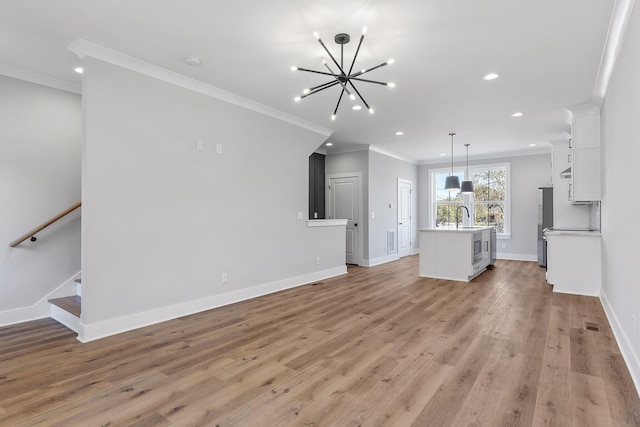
(454, 254)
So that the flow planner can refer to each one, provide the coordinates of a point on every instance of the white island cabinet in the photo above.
(454, 254)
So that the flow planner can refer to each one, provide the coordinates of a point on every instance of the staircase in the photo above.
(67, 310)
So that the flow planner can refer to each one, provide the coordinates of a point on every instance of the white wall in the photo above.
(354, 161)
(527, 174)
(380, 188)
(163, 221)
(620, 130)
(384, 172)
(40, 162)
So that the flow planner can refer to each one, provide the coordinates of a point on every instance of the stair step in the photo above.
(71, 304)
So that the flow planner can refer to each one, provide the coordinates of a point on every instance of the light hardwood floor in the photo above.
(378, 346)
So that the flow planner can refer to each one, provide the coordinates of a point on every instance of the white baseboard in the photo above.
(381, 260)
(415, 251)
(40, 309)
(517, 257)
(628, 353)
(118, 325)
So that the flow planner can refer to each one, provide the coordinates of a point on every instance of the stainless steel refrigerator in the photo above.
(545, 220)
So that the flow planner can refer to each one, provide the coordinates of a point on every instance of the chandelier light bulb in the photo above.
(316, 35)
(79, 70)
(294, 68)
(306, 91)
(370, 110)
(353, 97)
(364, 31)
(391, 84)
(297, 99)
(356, 107)
(333, 117)
(391, 61)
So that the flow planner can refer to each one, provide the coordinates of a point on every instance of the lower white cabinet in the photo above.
(574, 262)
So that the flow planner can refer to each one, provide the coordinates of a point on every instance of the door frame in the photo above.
(410, 184)
(358, 175)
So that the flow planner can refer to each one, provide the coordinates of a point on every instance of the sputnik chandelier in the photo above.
(342, 77)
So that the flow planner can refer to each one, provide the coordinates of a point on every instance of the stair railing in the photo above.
(36, 230)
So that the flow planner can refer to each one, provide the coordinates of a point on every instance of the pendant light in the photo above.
(452, 182)
(467, 186)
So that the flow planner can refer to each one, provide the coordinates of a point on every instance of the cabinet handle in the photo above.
(569, 192)
(569, 158)
(570, 141)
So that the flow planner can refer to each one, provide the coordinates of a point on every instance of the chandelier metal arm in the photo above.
(339, 99)
(318, 72)
(356, 55)
(369, 81)
(359, 73)
(331, 56)
(320, 88)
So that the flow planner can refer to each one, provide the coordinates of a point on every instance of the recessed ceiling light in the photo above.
(79, 70)
(518, 114)
(329, 144)
(356, 107)
(532, 145)
(193, 60)
(399, 133)
(491, 76)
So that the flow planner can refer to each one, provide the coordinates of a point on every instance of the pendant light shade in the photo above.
(452, 182)
(467, 186)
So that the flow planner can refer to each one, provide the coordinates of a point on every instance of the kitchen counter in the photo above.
(563, 232)
(458, 230)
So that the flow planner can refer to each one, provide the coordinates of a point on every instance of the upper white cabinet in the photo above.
(585, 154)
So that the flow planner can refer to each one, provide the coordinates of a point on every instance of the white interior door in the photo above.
(344, 203)
(404, 217)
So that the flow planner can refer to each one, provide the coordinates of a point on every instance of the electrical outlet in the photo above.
(199, 144)
(219, 148)
(300, 215)
(225, 278)
(503, 245)
(317, 260)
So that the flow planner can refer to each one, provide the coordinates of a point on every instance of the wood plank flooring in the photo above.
(376, 347)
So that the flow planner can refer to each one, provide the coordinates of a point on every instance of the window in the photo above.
(490, 196)
(488, 206)
(445, 202)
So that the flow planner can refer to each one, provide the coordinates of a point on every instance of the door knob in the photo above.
(355, 225)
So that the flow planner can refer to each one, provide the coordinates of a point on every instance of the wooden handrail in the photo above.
(44, 225)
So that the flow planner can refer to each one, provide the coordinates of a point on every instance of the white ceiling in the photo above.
(547, 53)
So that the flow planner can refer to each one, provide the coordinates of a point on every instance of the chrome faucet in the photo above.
(457, 214)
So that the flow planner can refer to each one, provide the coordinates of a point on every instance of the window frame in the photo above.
(468, 199)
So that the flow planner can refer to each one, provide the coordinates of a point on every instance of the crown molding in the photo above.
(615, 37)
(390, 154)
(83, 48)
(40, 79)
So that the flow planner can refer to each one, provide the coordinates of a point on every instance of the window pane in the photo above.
(490, 214)
(446, 214)
(497, 184)
(480, 185)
